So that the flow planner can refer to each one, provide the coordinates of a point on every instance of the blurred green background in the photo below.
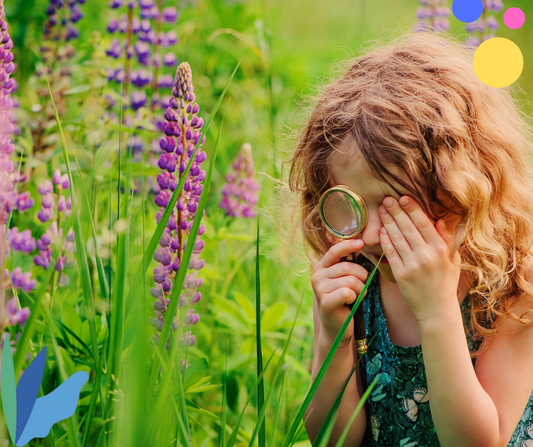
(305, 40)
(307, 35)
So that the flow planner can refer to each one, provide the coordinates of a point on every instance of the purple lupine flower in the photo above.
(239, 194)
(142, 30)
(44, 245)
(432, 15)
(22, 241)
(170, 15)
(55, 201)
(181, 130)
(138, 99)
(22, 280)
(114, 50)
(48, 198)
(61, 19)
(485, 27)
(56, 51)
(14, 314)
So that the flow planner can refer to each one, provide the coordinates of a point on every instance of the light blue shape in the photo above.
(54, 407)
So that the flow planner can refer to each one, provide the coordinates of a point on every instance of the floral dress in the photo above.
(399, 413)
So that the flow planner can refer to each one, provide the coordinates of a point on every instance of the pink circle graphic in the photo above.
(514, 18)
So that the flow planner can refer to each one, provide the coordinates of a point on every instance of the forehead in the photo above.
(351, 169)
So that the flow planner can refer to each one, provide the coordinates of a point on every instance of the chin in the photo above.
(386, 272)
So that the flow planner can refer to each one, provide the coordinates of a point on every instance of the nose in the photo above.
(370, 234)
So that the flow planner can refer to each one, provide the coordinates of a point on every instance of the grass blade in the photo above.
(364, 398)
(325, 431)
(118, 314)
(82, 256)
(260, 389)
(223, 425)
(233, 437)
(327, 361)
(164, 391)
(72, 422)
(278, 411)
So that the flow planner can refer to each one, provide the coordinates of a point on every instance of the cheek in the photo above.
(375, 218)
(332, 239)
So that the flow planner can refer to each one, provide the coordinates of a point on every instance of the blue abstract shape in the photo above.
(467, 10)
(27, 390)
(54, 407)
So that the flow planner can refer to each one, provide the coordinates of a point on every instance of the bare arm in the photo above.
(330, 387)
(481, 407)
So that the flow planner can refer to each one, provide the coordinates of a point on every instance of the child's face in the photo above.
(356, 173)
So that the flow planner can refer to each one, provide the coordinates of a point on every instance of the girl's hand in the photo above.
(337, 284)
(419, 256)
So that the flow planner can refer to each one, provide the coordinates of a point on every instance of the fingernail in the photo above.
(388, 202)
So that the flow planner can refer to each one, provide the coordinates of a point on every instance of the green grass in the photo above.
(250, 368)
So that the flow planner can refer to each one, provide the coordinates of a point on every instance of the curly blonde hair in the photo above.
(417, 103)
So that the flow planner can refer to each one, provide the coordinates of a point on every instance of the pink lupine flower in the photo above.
(239, 194)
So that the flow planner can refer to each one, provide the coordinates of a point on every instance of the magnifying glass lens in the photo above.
(342, 213)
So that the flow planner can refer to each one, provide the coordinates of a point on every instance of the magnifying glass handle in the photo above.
(359, 322)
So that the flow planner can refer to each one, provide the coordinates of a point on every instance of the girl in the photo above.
(442, 163)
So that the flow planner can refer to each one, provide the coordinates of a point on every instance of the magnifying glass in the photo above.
(343, 213)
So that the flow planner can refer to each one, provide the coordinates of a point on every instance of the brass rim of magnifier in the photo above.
(358, 199)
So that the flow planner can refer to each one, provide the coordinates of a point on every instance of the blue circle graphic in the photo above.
(467, 10)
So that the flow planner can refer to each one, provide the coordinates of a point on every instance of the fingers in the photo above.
(332, 301)
(333, 293)
(346, 269)
(349, 282)
(339, 251)
(407, 224)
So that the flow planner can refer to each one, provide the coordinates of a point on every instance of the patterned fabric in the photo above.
(399, 413)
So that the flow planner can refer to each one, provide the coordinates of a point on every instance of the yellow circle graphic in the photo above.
(498, 62)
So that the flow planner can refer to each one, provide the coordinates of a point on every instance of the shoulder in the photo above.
(504, 369)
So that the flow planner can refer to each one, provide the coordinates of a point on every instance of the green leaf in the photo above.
(245, 304)
(194, 373)
(191, 406)
(78, 89)
(230, 321)
(201, 389)
(273, 315)
(85, 333)
(70, 317)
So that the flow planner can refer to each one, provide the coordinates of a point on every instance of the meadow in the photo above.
(115, 161)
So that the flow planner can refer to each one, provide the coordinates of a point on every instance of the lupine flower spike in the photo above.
(141, 26)
(486, 26)
(53, 205)
(10, 199)
(433, 15)
(181, 134)
(239, 194)
(56, 53)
